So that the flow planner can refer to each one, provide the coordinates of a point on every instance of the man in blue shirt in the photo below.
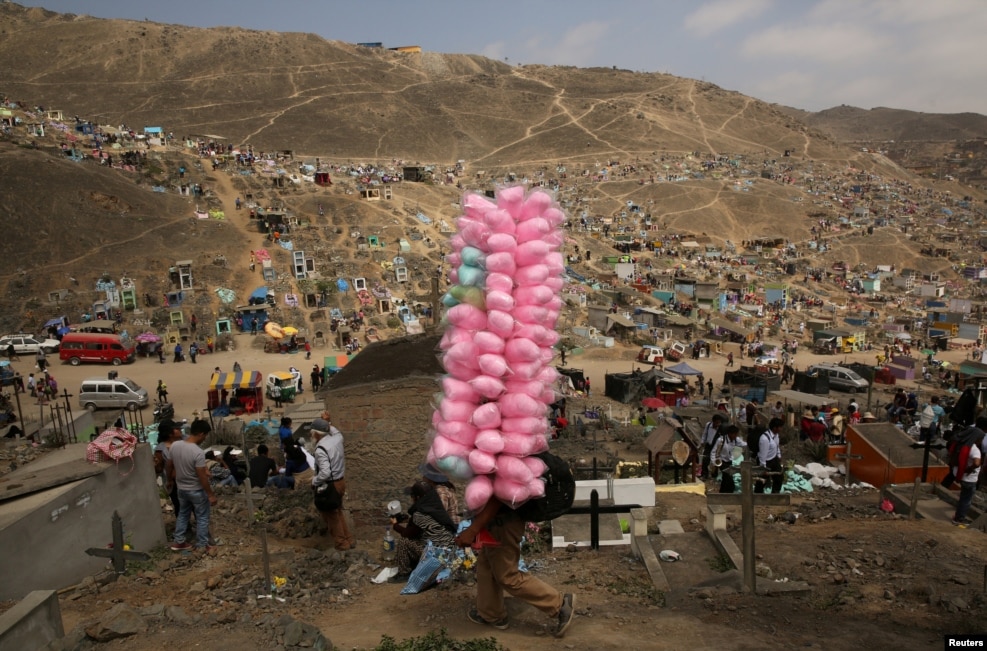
(284, 432)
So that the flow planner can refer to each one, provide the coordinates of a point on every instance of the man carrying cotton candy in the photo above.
(497, 572)
(503, 305)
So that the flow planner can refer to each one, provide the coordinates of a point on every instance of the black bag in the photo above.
(327, 498)
(560, 491)
(754, 443)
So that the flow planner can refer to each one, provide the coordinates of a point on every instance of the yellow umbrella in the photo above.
(274, 330)
(290, 330)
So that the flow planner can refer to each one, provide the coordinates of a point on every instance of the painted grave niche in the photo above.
(299, 266)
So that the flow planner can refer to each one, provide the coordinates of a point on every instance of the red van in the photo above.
(96, 347)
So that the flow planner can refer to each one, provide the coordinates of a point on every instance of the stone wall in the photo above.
(385, 427)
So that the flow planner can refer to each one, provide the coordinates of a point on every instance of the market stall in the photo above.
(236, 393)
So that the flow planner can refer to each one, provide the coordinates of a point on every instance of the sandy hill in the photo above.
(934, 145)
(882, 124)
(336, 99)
(649, 133)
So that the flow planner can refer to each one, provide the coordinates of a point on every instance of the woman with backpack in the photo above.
(723, 456)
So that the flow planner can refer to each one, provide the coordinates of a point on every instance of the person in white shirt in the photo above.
(330, 463)
(710, 434)
(965, 457)
(769, 453)
(723, 452)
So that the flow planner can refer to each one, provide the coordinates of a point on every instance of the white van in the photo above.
(841, 379)
(111, 392)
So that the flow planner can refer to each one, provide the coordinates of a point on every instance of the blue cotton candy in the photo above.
(472, 256)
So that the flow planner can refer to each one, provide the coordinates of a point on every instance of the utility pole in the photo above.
(434, 300)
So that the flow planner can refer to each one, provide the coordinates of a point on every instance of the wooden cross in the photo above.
(747, 500)
(926, 446)
(848, 455)
(117, 554)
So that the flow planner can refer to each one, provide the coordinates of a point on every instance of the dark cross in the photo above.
(747, 501)
(926, 446)
(117, 554)
(68, 416)
(849, 456)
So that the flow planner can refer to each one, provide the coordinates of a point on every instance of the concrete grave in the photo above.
(32, 623)
(575, 529)
(45, 533)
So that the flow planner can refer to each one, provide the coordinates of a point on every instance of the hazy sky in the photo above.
(924, 55)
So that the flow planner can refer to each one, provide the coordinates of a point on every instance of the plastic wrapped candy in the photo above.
(482, 462)
(478, 492)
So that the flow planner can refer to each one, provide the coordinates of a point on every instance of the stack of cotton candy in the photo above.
(497, 348)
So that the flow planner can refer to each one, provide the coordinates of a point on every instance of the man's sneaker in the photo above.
(566, 613)
(957, 523)
(474, 617)
(181, 546)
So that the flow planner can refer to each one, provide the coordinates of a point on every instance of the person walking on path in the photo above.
(276, 395)
(330, 461)
(193, 350)
(41, 360)
(497, 572)
(178, 353)
(162, 391)
(187, 470)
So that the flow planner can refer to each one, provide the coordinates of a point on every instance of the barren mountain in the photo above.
(336, 99)
(881, 124)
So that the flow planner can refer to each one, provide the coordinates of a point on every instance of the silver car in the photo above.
(28, 344)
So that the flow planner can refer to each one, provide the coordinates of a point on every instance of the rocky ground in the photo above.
(888, 582)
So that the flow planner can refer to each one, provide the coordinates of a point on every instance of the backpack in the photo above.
(927, 417)
(754, 443)
(560, 491)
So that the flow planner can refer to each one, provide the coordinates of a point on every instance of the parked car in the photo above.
(842, 379)
(111, 392)
(651, 355)
(676, 351)
(28, 344)
(767, 360)
(288, 383)
(79, 347)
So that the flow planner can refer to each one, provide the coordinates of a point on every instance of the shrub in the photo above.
(438, 641)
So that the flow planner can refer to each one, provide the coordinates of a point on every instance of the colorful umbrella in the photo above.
(654, 403)
(290, 330)
(147, 338)
(274, 330)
